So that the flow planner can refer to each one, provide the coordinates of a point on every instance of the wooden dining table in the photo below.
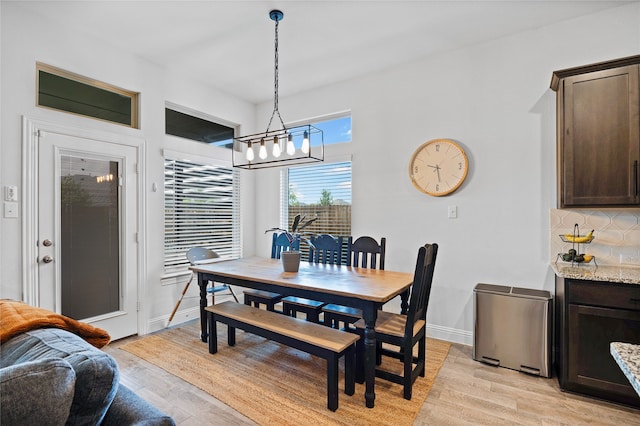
(366, 289)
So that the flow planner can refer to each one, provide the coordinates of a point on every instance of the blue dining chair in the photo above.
(324, 249)
(255, 298)
(364, 252)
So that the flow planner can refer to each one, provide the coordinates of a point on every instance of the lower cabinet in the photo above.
(589, 316)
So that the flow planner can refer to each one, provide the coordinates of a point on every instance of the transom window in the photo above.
(65, 91)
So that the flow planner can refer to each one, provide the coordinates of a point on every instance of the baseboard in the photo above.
(448, 334)
(453, 335)
(181, 316)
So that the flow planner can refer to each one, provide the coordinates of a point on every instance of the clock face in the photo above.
(438, 167)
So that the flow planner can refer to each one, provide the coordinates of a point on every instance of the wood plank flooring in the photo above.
(466, 392)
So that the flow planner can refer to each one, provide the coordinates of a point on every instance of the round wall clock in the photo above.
(438, 167)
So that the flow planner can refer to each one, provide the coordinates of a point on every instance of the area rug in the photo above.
(274, 384)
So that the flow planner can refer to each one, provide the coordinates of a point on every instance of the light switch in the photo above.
(10, 209)
(452, 212)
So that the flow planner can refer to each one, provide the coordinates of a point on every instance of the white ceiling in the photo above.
(230, 44)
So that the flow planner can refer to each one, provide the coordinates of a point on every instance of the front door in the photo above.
(87, 231)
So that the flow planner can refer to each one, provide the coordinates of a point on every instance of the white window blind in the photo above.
(201, 210)
(322, 190)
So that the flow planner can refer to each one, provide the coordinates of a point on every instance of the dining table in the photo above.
(362, 288)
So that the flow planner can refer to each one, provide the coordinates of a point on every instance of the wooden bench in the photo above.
(312, 338)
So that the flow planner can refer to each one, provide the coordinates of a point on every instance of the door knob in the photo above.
(47, 259)
(47, 243)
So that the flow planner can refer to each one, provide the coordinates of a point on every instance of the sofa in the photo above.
(53, 375)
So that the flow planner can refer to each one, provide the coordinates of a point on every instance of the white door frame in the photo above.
(30, 131)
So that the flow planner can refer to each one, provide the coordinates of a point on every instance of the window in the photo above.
(197, 126)
(336, 129)
(321, 190)
(202, 209)
(69, 92)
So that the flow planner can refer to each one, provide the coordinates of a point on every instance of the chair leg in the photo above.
(360, 360)
(422, 352)
(408, 376)
(233, 293)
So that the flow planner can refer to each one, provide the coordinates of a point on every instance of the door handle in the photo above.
(47, 243)
(47, 259)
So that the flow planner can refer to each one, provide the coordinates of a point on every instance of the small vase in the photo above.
(290, 261)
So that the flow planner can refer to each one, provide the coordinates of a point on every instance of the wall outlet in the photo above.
(629, 259)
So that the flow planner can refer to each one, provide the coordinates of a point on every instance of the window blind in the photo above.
(202, 209)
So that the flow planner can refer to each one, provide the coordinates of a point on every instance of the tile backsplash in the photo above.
(616, 234)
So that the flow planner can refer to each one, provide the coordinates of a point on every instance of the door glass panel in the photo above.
(89, 237)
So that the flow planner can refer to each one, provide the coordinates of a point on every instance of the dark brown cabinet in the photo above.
(589, 316)
(598, 134)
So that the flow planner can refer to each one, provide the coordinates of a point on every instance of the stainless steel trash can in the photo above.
(513, 328)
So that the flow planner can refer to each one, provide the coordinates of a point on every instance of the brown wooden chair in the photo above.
(255, 298)
(364, 252)
(404, 331)
(323, 249)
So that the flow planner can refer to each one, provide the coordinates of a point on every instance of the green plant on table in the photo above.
(295, 233)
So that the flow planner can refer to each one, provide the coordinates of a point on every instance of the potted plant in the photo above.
(291, 258)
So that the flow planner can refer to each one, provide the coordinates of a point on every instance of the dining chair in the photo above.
(279, 243)
(324, 249)
(364, 252)
(404, 332)
(200, 255)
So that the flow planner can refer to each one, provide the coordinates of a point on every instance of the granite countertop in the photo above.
(627, 355)
(617, 274)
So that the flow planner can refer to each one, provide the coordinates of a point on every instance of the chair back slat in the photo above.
(365, 252)
(280, 243)
(325, 249)
(421, 287)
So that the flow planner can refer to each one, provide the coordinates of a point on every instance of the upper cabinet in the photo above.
(598, 134)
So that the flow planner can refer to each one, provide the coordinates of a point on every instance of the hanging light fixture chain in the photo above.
(277, 19)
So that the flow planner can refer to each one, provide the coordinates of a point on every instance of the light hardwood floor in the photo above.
(466, 392)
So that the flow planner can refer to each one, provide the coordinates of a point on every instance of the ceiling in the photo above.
(230, 44)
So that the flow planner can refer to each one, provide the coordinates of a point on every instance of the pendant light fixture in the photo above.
(282, 146)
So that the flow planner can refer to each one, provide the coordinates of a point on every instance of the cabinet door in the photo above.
(590, 367)
(601, 138)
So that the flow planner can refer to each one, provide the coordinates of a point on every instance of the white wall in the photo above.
(27, 38)
(494, 99)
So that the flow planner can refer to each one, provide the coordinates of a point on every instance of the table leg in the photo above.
(369, 315)
(202, 283)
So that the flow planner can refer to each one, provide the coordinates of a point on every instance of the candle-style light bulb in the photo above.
(262, 153)
(291, 149)
(305, 142)
(276, 147)
(250, 155)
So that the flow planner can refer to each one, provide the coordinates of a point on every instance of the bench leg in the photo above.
(231, 335)
(349, 370)
(332, 382)
(213, 335)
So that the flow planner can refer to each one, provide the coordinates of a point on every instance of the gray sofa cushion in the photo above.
(131, 410)
(96, 371)
(20, 384)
